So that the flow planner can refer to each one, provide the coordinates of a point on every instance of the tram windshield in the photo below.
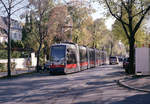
(57, 53)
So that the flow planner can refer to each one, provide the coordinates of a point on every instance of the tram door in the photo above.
(72, 59)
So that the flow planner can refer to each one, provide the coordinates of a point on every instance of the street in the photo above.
(92, 86)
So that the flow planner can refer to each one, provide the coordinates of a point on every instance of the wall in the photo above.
(22, 62)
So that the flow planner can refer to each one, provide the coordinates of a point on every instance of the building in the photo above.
(3, 32)
(16, 30)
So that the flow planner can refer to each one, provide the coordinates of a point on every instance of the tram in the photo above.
(69, 58)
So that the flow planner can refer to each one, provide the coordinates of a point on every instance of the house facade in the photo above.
(3, 32)
(15, 33)
(16, 30)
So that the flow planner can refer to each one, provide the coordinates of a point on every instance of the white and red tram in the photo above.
(69, 57)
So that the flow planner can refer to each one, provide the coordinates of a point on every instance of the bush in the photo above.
(3, 66)
(16, 54)
(3, 54)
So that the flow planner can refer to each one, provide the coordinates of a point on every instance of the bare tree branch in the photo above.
(121, 13)
(141, 12)
(114, 15)
(140, 21)
(5, 6)
(18, 9)
(43, 11)
(126, 32)
(17, 3)
(10, 3)
(124, 6)
(110, 9)
(37, 38)
(1, 7)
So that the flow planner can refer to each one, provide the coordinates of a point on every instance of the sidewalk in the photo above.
(16, 72)
(139, 84)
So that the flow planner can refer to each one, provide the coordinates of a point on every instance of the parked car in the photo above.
(113, 60)
(120, 59)
(126, 62)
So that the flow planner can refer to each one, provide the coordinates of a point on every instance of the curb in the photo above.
(119, 82)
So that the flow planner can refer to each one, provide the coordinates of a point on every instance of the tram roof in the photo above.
(64, 43)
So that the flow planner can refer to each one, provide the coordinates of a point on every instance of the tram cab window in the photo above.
(57, 52)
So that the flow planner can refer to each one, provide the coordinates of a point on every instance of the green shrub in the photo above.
(3, 66)
(3, 54)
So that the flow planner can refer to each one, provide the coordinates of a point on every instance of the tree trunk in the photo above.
(38, 57)
(9, 47)
(131, 56)
(39, 49)
(111, 49)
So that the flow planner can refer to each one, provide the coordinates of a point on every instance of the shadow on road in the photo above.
(118, 73)
(136, 99)
(42, 88)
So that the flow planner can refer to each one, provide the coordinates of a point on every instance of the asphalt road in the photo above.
(92, 86)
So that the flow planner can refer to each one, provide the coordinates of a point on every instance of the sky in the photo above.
(98, 14)
(17, 14)
(99, 11)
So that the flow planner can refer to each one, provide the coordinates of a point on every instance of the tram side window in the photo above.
(93, 56)
(90, 55)
(71, 56)
(97, 56)
(83, 56)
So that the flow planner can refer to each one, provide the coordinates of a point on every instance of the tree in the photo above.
(40, 11)
(59, 22)
(98, 29)
(139, 37)
(10, 7)
(119, 8)
(27, 28)
(83, 34)
(69, 22)
(80, 11)
(28, 33)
